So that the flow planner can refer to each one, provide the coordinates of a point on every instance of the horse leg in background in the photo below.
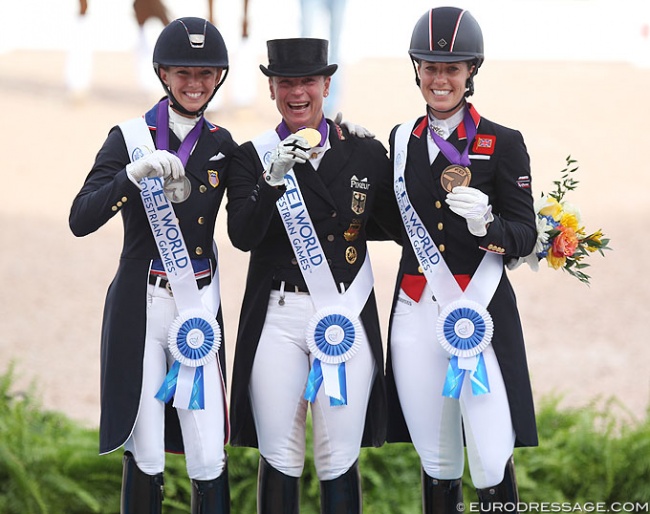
(145, 9)
(79, 58)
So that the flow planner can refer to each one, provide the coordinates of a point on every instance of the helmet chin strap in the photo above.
(176, 105)
(431, 109)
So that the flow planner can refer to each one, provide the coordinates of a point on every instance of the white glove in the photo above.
(471, 204)
(352, 128)
(159, 163)
(293, 150)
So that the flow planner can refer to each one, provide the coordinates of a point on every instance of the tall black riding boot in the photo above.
(141, 493)
(277, 493)
(504, 493)
(211, 496)
(343, 494)
(441, 496)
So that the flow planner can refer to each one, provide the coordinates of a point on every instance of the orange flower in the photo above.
(565, 243)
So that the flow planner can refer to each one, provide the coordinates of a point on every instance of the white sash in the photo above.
(464, 326)
(195, 335)
(333, 332)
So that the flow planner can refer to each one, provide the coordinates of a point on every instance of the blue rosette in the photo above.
(194, 338)
(333, 335)
(464, 328)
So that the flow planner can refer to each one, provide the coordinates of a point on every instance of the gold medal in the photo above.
(351, 254)
(311, 135)
(455, 175)
(177, 190)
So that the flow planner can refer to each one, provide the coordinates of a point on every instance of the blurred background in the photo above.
(572, 75)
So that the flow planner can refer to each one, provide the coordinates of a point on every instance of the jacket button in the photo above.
(420, 270)
(199, 250)
(201, 220)
(294, 261)
(114, 208)
(124, 199)
(438, 204)
(441, 248)
(440, 226)
(330, 237)
(203, 188)
(119, 204)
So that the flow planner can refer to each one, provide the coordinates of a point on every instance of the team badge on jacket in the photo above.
(213, 178)
(358, 202)
(352, 231)
(484, 144)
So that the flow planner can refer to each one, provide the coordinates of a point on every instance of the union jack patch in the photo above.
(484, 144)
(213, 178)
(523, 182)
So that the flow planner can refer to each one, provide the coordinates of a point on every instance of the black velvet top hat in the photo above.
(298, 57)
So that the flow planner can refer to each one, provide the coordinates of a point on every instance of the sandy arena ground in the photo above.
(583, 342)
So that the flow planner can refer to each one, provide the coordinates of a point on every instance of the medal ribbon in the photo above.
(332, 331)
(196, 321)
(450, 151)
(162, 133)
(448, 293)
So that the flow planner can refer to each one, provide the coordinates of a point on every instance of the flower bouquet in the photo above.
(561, 238)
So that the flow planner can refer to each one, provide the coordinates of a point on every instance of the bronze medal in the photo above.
(352, 231)
(455, 175)
(351, 254)
(177, 190)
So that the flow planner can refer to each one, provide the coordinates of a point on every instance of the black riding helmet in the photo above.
(447, 34)
(190, 42)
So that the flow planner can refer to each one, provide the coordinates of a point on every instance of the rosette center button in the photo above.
(464, 328)
(334, 334)
(195, 338)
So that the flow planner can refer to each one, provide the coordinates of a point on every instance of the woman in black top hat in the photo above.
(303, 199)
(456, 361)
(177, 152)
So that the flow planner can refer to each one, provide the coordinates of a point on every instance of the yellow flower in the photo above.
(570, 221)
(555, 262)
(594, 241)
(551, 208)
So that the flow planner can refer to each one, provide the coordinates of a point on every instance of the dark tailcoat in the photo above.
(500, 168)
(254, 225)
(108, 191)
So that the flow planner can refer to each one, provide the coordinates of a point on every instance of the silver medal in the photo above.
(178, 190)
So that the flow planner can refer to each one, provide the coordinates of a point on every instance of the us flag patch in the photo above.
(484, 144)
(523, 182)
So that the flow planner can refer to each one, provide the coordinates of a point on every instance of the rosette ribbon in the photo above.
(332, 338)
(333, 333)
(464, 327)
(194, 338)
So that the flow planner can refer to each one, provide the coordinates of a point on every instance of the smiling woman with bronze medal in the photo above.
(456, 369)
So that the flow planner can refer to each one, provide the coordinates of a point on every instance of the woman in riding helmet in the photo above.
(164, 172)
(456, 369)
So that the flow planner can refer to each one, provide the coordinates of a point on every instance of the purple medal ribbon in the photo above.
(450, 151)
(162, 134)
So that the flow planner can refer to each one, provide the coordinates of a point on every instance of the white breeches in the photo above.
(277, 388)
(436, 423)
(203, 430)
